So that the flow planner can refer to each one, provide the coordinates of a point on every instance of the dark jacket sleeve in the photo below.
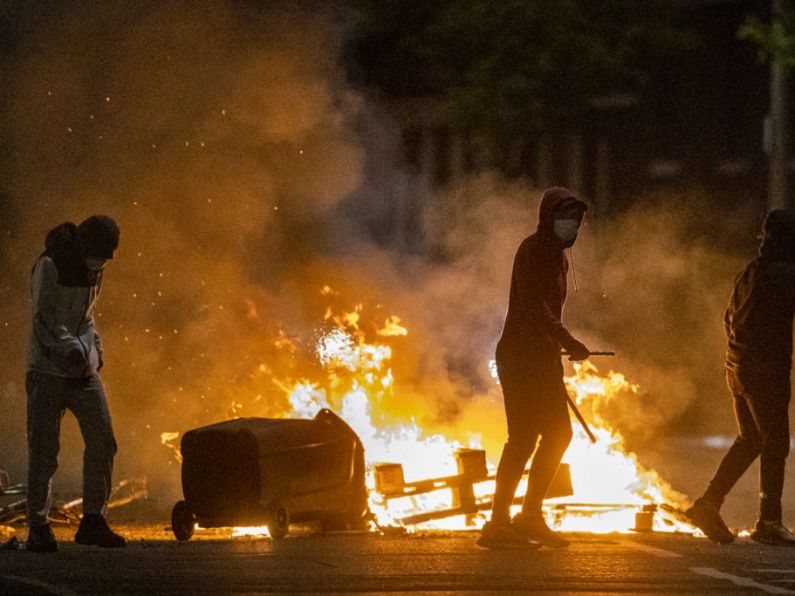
(784, 285)
(535, 276)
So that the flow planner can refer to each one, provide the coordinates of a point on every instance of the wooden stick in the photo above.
(583, 423)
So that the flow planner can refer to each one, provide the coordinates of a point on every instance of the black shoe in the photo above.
(773, 533)
(94, 531)
(41, 540)
(533, 527)
(503, 536)
(706, 517)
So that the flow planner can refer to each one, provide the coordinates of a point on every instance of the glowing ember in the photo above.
(393, 328)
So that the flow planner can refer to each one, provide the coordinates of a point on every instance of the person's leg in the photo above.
(498, 532)
(772, 416)
(739, 457)
(555, 425)
(44, 413)
(514, 457)
(770, 404)
(522, 438)
(88, 403)
(705, 512)
(555, 438)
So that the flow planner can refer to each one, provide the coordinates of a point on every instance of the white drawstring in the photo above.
(573, 270)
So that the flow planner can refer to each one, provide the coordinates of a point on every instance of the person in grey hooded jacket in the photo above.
(65, 356)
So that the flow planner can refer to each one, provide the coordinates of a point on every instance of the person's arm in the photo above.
(93, 323)
(791, 283)
(554, 327)
(61, 342)
(98, 344)
(532, 275)
(779, 283)
(727, 321)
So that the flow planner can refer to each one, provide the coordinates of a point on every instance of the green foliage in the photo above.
(775, 39)
(511, 65)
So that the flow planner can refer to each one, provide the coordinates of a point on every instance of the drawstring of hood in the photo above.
(573, 269)
(552, 199)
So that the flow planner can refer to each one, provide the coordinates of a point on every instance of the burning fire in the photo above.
(610, 486)
(603, 473)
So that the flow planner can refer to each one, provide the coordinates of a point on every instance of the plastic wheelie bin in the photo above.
(270, 472)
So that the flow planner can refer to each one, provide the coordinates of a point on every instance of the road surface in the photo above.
(154, 563)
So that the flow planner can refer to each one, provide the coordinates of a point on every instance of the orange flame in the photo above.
(358, 378)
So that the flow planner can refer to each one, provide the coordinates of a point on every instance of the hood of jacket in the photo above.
(778, 236)
(98, 236)
(552, 199)
(61, 245)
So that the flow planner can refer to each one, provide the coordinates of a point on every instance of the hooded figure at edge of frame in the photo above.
(758, 324)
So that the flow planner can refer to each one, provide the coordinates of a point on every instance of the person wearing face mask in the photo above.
(758, 324)
(65, 357)
(531, 375)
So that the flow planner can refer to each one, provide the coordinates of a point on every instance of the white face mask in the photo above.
(566, 229)
(95, 264)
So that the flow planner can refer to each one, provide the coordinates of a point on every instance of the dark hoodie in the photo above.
(760, 312)
(533, 333)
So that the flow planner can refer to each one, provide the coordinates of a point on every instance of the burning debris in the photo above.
(472, 470)
(415, 477)
(123, 493)
(8, 540)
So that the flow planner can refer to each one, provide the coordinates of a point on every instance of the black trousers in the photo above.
(535, 407)
(761, 404)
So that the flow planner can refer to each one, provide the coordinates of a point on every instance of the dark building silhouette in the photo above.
(699, 124)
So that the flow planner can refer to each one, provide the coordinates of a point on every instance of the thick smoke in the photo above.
(246, 177)
(653, 285)
(221, 140)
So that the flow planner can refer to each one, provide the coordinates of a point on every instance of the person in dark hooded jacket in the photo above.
(64, 360)
(531, 374)
(758, 325)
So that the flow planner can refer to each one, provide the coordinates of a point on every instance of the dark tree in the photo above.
(775, 37)
(511, 66)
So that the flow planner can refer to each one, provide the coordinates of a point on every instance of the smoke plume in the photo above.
(257, 193)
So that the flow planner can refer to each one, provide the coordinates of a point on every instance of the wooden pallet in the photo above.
(471, 463)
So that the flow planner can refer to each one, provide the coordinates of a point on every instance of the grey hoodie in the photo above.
(64, 340)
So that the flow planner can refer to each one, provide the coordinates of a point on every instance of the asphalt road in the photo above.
(154, 563)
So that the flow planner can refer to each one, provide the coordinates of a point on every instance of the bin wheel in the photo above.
(279, 522)
(183, 521)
